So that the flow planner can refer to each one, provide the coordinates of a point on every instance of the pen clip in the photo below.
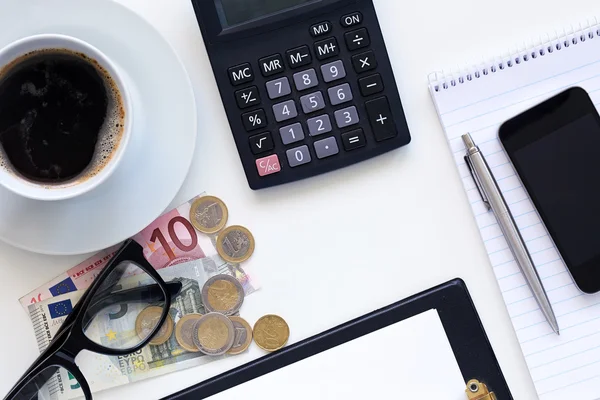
(477, 183)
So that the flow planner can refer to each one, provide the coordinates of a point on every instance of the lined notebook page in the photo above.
(560, 365)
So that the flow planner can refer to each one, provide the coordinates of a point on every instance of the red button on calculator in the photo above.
(268, 165)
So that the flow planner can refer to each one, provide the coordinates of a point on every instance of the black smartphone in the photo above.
(555, 149)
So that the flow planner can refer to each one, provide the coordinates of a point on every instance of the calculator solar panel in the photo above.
(307, 85)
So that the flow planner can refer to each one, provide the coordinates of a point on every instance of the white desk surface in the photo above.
(334, 247)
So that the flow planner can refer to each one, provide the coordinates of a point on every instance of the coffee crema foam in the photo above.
(109, 136)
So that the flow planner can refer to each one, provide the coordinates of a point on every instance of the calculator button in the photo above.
(306, 79)
(321, 29)
(326, 148)
(247, 97)
(268, 165)
(340, 94)
(298, 156)
(299, 57)
(364, 61)
(327, 48)
(312, 102)
(291, 133)
(284, 111)
(354, 140)
(241, 74)
(380, 117)
(333, 71)
(271, 65)
(357, 39)
(254, 120)
(319, 125)
(351, 19)
(346, 117)
(278, 88)
(261, 143)
(371, 85)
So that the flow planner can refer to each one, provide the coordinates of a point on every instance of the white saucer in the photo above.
(162, 145)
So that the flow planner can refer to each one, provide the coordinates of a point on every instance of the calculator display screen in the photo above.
(234, 12)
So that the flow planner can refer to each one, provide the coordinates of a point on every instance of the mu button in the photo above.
(261, 143)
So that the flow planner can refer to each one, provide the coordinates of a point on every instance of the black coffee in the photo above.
(61, 116)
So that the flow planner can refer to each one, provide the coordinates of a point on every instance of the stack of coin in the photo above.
(221, 330)
(209, 214)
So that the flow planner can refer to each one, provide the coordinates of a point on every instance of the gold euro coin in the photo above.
(214, 334)
(271, 332)
(223, 294)
(147, 320)
(235, 244)
(184, 332)
(242, 335)
(209, 214)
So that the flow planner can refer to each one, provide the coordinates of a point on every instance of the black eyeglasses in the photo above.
(109, 305)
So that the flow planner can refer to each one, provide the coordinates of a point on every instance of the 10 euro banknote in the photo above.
(169, 240)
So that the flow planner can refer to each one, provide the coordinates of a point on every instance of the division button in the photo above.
(357, 39)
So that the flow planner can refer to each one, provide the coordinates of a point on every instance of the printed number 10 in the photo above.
(157, 234)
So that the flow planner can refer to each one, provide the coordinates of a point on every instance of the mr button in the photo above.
(241, 74)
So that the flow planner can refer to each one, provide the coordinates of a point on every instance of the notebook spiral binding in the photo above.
(560, 41)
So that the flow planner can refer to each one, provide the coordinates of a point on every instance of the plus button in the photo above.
(382, 119)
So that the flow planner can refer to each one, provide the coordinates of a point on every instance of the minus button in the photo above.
(371, 85)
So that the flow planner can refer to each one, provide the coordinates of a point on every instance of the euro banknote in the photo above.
(104, 372)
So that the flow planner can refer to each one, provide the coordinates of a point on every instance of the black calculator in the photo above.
(307, 84)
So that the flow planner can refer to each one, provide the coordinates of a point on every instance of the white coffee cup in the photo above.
(20, 185)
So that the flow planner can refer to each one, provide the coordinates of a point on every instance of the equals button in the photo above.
(354, 140)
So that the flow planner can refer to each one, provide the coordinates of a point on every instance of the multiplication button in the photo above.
(364, 62)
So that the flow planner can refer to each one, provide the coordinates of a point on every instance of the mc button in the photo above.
(241, 74)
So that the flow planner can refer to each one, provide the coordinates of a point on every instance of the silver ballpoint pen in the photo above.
(493, 199)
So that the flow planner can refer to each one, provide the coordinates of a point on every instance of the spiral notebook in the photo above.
(479, 100)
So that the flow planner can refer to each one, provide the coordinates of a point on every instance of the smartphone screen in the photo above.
(555, 149)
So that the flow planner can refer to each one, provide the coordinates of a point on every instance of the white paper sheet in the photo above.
(411, 359)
